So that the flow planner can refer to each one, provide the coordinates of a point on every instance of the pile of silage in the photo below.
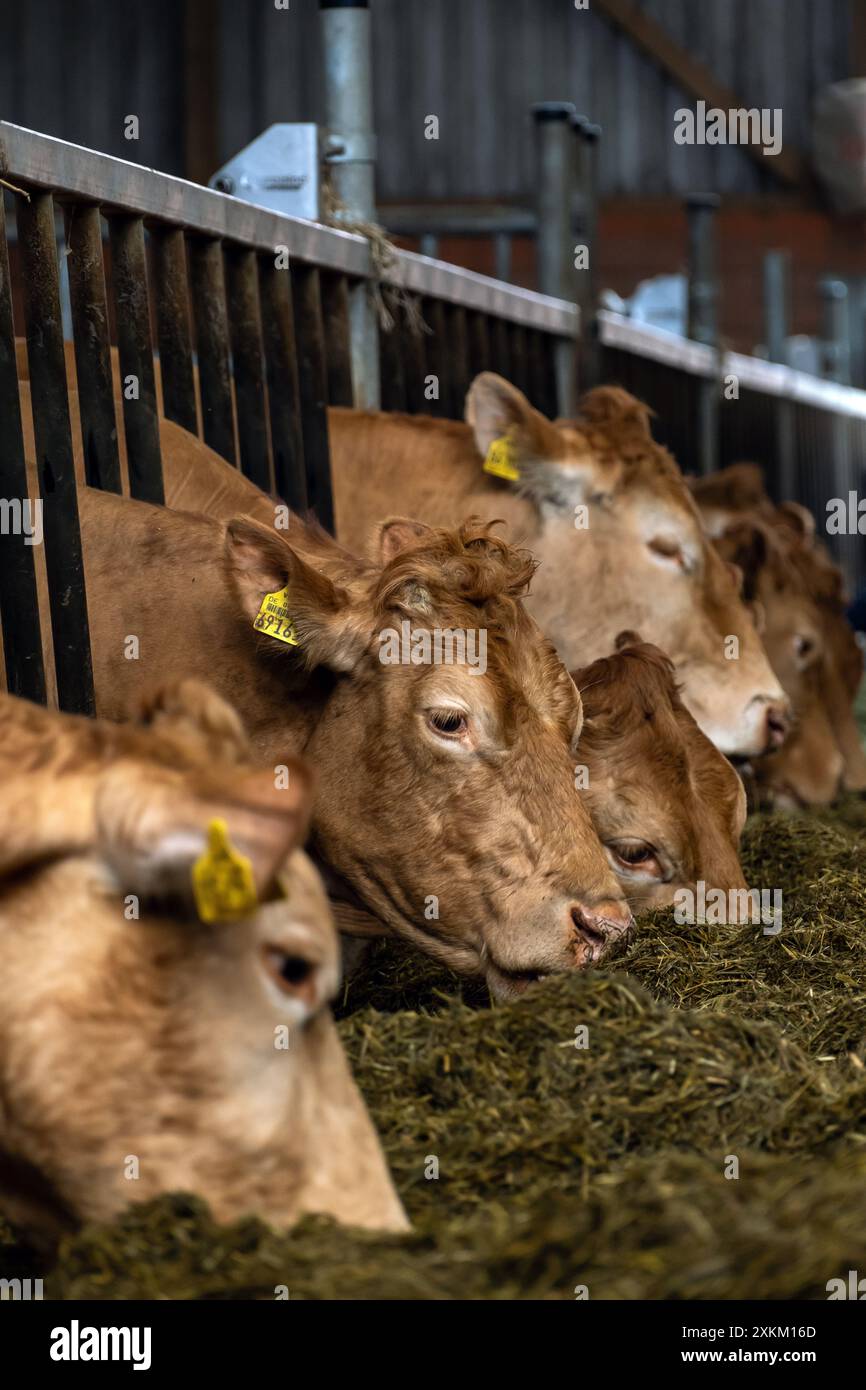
(601, 1165)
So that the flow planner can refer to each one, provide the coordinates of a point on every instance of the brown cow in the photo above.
(667, 805)
(446, 807)
(607, 513)
(800, 596)
(143, 1050)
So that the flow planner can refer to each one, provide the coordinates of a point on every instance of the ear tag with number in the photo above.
(274, 618)
(500, 461)
(222, 879)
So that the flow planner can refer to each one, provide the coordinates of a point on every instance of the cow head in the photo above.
(668, 806)
(798, 594)
(146, 1050)
(622, 546)
(447, 799)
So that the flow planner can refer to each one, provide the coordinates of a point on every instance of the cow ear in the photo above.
(745, 545)
(396, 534)
(798, 519)
(551, 464)
(154, 825)
(327, 628)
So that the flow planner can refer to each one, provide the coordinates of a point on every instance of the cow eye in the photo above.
(668, 550)
(448, 723)
(804, 647)
(637, 856)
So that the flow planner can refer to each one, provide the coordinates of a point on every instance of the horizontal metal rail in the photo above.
(753, 373)
(73, 173)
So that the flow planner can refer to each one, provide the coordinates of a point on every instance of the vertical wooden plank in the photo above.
(201, 26)
(19, 602)
(313, 379)
(284, 392)
(173, 326)
(53, 436)
(135, 351)
(92, 348)
(335, 312)
(212, 343)
(242, 297)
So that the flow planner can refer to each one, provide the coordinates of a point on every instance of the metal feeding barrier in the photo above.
(250, 314)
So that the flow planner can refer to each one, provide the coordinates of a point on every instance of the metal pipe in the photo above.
(349, 118)
(554, 153)
(702, 319)
(776, 298)
(837, 352)
(586, 152)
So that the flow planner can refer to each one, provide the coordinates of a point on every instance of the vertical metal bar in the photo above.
(212, 343)
(347, 47)
(429, 244)
(335, 311)
(502, 245)
(284, 392)
(173, 326)
(19, 601)
(500, 353)
(89, 303)
(53, 436)
(414, 340)
(479, 344)
(135, 350)
(519, 360)
(702, 321)
(586, 140)
(776, 299)
(313, 380)
(437, 360)
(837, 365)
(242, 299)
(458, 344)
(392, 358)
(554, 156)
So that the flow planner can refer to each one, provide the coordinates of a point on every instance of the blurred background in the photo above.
(205, 77)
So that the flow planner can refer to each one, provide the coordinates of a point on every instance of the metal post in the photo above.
(837, 367)
(702, 320)
(554, 152)
(349, 118)
(586, 151)
(837, 355)
(776, 298)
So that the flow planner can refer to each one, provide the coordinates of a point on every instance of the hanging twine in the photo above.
(390, 300)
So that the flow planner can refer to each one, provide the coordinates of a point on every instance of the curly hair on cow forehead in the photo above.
(468, 563)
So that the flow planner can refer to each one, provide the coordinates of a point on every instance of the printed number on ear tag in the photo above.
(273, 618)
(500, 461)
(222, 879)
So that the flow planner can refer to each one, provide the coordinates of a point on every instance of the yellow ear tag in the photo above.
(222, 879)
(273, 618)
(500, 461)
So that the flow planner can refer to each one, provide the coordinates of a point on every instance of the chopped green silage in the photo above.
(600, 1165)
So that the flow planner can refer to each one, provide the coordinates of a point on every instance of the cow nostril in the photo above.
(777, 726)
(295, 970)
(589, 928)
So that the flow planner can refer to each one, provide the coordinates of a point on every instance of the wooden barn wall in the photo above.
(75, 68)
